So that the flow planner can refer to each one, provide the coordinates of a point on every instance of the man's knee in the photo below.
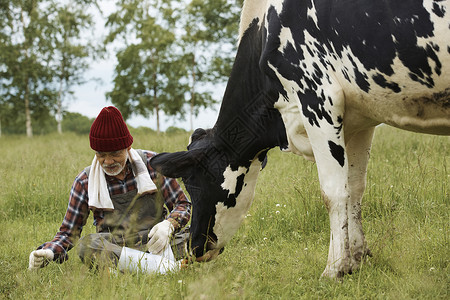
(98, 249)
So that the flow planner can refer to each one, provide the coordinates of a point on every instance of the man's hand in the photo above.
(159, 237)
(40, 258)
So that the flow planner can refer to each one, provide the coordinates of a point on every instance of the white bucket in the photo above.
(138, 261)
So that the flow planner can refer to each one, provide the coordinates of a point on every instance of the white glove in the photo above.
(40, 258)
(159, 237)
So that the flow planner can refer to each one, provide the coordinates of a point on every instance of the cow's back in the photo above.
(389, 58)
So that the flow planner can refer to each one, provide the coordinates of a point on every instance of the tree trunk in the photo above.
(158, 130)
(27, 111)
(59, 107)
(155, 102)
(192, 94)
(29, 129)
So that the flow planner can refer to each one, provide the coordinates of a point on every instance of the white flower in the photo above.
(278, 205)
(277, 212)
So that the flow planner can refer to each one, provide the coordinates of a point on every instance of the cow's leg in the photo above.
(358, 152)
(333, 182)
(327, 141)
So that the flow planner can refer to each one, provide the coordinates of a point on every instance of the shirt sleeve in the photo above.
(176, 201)
(74, 220)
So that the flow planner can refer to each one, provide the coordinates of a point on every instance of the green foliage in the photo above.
(25, 77)
(42, 120)
(178, 51)
(174, 130)
(141, 130)
(147, 77)
(75, 122)
(41, 58)
(174, 53)
(211, 31)
(279, 251)
(70, 53)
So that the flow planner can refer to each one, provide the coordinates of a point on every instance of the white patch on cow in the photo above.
(441, 28)
(231, 179)
(297, 137)
(251, 9)
(285, 38)
(277, 4)
(289, 109)
(228, 220)
(312, 13)
(382, 105)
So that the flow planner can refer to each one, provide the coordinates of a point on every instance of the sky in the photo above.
(89, 98)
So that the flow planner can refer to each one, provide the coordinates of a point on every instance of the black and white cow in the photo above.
(315, 77)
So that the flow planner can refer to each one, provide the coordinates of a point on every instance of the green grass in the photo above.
(280, 250)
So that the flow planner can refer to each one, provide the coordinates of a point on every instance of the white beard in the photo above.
(119, 170)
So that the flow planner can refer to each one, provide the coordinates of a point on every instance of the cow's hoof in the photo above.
(332, 273)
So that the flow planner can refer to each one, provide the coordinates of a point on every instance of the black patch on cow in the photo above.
(248, 121)
(339, 126)
(344, 72)
(375, 31)
(361, 80)
(237, 136)
(381, 81)
(231, 200)
(202, 228)
(263, 159)
(338, 152)
(313, 109)
(438, 10)
(431, 52)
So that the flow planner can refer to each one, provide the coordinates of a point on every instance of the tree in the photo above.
(41, 57)
(4, 38)
(170, 52)
(209, 42)
(148, 74)
(70, 53)
(77, 123)
(36, 37)
(25, 75)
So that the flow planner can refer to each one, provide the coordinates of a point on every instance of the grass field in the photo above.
(280, 250)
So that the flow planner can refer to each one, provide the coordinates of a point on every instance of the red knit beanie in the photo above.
(109, 131)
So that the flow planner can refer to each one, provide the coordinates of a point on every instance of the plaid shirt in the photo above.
(78, 208)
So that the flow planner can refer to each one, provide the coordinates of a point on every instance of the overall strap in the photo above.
(142, 155)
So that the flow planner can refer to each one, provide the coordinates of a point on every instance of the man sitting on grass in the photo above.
(129, 209)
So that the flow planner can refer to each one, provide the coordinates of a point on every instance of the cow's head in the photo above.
(221, 189)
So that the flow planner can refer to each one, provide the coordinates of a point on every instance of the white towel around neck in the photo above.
(98, 189)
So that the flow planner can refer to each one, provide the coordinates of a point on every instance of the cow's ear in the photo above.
(174, 165)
